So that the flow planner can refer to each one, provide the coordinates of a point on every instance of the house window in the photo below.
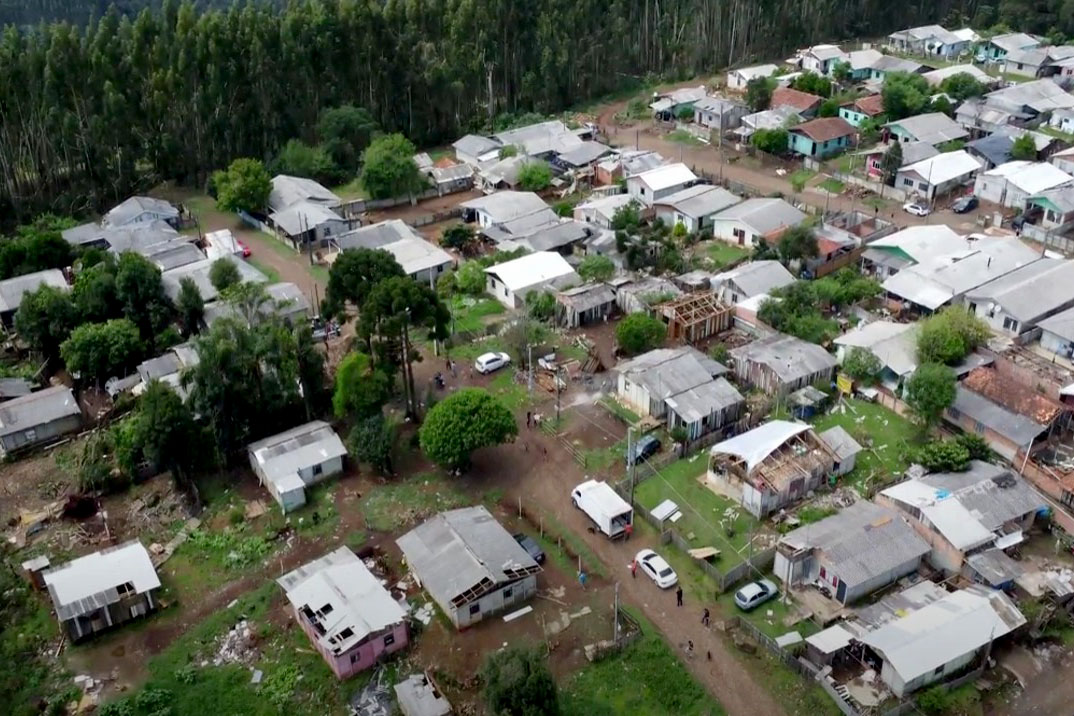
(923, 186)
(124, 589)
(642, 191)
(979, 428)
(507, 593)
(475, 609)
(908, 182)
(1067, 498)
(740, 235)
(389, 639)
(318, 469)
(953, 412)
(1009, 324)
(938, 669)
(354, 658)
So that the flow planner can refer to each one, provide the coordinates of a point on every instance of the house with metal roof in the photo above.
(962, 513)
(938, 175)
(719, 114)
(104, 589)
(681, 386)
(12, 290)
(1035, 61)
(420, 259)
(779, 364)
(940, 639)
(141, 209)
(512, 280)
(285, 300)
(774, 118)
(476, 150)
(541, 140)
(656, 184)
(771, 466)
(843, 444)
(1057, 333)
(912, 152)
(1020, 300)
(198, 272)
(881, 68)
(890, 254)
(933, 128)
(936, 77)
(288, 462)
(1030, 99)
(928, 40)
(168, 367)
(668, 104)
(506, 206)
(852, 553)
(418, 695)
(894, 345)
(289, 190)
(822, 58)
(945, 279)
(694, 206)
(754, 220)
(348, 616)
(583, 305)
(738, 79)
(469, 564)
(600, 210)
(999, 46)
(754, 278)
(1012, 183)
(821, 137)
(38, 418)
(303, 210)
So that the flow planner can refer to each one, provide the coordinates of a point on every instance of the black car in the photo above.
(532, 548)
(964, 204)
(643, 449)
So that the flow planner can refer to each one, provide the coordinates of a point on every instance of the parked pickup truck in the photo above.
(609, 512)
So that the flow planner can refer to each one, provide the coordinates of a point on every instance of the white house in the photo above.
(506, 206)
(510, 281)
(929, 40)
(938, 175)
(1012, 183)
(738, 79)
(1022, 299)
(894, 345)
(476, 150)
(658, 183)
(303, 210)
(939, 639)
(694, 206)
(141, 210)
(600, 211)
(822, 58)
(290, 461)
(747, 223)
(719, 114)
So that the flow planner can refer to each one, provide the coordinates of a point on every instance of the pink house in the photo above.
(346, 613)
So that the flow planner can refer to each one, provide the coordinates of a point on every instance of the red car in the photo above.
(245, 248)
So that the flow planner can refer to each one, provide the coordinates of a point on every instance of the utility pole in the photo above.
(557, 378)
(615, 616)
(630, 464)
(529, 366)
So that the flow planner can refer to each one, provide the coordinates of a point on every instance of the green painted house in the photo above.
(821, 137)
(862, 109)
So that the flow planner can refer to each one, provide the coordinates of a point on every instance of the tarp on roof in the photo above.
(757, 444)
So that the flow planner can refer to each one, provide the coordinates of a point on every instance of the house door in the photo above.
(796, 487)
(741, 236)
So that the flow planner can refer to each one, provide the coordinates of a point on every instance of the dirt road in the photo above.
(542, 475)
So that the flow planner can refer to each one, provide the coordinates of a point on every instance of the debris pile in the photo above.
(237, 646)
(374, 699)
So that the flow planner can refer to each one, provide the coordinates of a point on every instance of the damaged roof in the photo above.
(88, 583)
(1013, 395)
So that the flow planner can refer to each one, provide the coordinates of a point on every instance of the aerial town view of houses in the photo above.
(744, 394)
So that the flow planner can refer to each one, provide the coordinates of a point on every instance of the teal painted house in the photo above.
(862, 109)
(821, 137)
(1000, 46)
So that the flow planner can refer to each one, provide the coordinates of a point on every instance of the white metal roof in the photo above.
(85, 584)
(895, 344)
(830, 640)
(296, 449)
(531, 270)
(667, 176)
(755, 445)
(937, 76)
(12, 290)
(347, 601)
(507, 205)
(944, 167)
(1031, 177)
(960, 623)
(763, 215)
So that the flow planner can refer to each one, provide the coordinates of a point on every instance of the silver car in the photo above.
(755, 594)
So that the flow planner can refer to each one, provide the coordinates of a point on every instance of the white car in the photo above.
(916, 208)
(489, 362)
(658, 570)
(755, 593)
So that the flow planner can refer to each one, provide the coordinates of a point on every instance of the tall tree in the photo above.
(759, 94)
(465, 421)
(99, 351)
(141, 293)
(223, 274)
(361, 389)
(345, 132)
(190, 305)
(245, 186)
(388, 168)
(165, 432)
(352, 277)
(518, 683)
(45, 318)
(930, 391)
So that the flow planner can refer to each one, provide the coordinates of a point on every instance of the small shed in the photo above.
(418, 695)
(584, 304)
(286, 463)
(825, 647)
(844, 446)
(35, 569)
(806, 402)
(993, 568)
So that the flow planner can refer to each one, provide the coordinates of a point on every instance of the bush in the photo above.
(638, 333)
(944, 456)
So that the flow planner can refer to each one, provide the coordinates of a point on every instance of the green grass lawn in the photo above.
(351, 190)
(645, 679)
(681, 136)
(514, 395)
(769, 623)
(832, 185)
(409, 500)
(800, 177)
(888, 434)
(722, 253)
(470, 351)
(708, 519)
(607, 457)
(876, 202)
(624, 413)
(272, 274)
(469, 313)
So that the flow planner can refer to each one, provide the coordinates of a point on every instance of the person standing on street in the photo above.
(705, 617)
(678, 596)
(634, 568)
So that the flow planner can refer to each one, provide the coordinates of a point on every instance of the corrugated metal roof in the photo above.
(37, 409)
(755, 445)
(700, 200)
(536, 268)
(88, 583)
(790, 358)
(840, 441)
(135, 206)
(296, 449)
(456, 551)
(348, 603)
(703, 400)
(288, 190)
(666, 176)
(763, 216)
(12, 290)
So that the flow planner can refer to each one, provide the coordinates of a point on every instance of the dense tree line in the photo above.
(93, 112)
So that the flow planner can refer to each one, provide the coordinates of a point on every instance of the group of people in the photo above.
(706, 616)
